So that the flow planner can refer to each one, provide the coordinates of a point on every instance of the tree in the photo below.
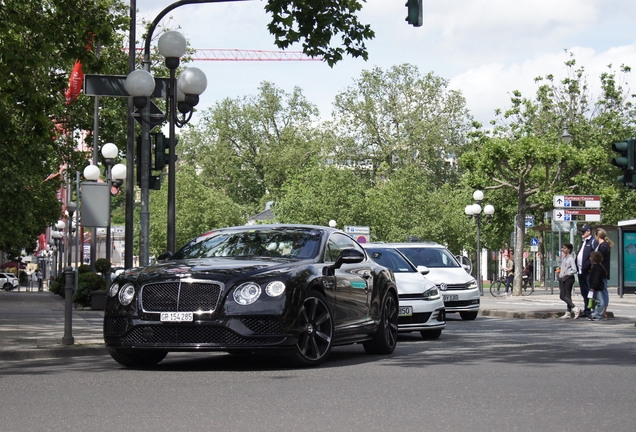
(316, 23)
(321, 194)
(199, 209)
(247, 147)
(525, 154)
(399, 117)
(39, 42)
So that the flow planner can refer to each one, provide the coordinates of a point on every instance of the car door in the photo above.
(353, 284)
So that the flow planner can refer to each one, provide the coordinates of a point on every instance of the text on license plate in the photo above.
(452, 297)
(405, 311)
(176, 316)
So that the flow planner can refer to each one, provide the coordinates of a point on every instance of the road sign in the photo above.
(534, 241)
(561, 226)
(567, 201)
(529, 223)
(587, 215)
(534, 248)
(357, 230)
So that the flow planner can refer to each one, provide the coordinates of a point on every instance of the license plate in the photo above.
(452, 297)
(176, 316)
(405, 311)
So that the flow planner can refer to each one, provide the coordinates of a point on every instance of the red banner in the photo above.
(75, 83)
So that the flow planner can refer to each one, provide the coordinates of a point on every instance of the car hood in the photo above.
(451, 275)
(412, 283)
(220, 269)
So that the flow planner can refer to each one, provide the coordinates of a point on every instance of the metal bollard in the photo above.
(68, 338)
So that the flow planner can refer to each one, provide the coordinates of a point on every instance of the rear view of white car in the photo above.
(421, 307)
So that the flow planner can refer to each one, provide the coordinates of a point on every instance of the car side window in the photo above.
(336, 243)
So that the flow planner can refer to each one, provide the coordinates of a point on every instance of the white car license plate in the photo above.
(452, 297)
(405, 311)
(176, 316)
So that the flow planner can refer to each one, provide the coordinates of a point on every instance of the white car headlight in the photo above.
(126, 294)
(275, 289)
(472, 284)
(247, 293)
(114, 288)
(431, 294)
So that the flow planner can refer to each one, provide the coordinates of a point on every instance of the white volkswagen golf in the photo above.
(420, 304)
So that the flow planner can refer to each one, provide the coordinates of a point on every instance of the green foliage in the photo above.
(102, 265)
(57, 286)
(86, 283)
(316, 23)
(320, 194)
(199, 209)
(84, 268)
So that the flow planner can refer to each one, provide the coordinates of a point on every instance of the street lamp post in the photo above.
(475, 211)
(58, 236)
(70, 208)
(140, 85)
(115, 175)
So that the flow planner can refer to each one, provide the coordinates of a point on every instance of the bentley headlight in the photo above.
(274, 289)
(112, 292)
(431, 294)
(247, 293)
(126, 294)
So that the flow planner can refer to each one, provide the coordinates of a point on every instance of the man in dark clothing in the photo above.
(597, 285)
(583, 264)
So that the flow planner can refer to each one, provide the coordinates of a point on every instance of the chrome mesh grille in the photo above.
(194, 335)
(180, 296)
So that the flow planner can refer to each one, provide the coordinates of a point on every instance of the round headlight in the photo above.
(274, 289)
(126, 294)
(247, 293)
(112, 292)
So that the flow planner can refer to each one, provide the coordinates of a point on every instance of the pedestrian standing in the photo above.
(604, 245)
(583, 264)
(39, 276)
(566, 281)
(597, 274)
(510, 272)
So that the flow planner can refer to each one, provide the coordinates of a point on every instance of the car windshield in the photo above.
(429, 257)
(295, 243)
(390, 258)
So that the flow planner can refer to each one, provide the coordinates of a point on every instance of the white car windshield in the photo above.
(429, 257)
(391, 259)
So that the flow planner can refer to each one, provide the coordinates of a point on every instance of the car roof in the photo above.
(427, 244)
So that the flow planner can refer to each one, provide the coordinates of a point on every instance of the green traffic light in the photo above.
(415, 15)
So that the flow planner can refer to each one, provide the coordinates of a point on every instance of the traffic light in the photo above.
(625, 161)
(161, 158)
(415, 15)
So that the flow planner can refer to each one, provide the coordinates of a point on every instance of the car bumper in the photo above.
(249, 333)
(461, 300)
(427, 315)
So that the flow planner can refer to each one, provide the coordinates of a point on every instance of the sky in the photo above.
(485, 48)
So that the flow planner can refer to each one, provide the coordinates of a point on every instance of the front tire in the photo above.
(7, 287)
(137, 357)
(315, 331)
(385, 337)
(431, 334)
(469, 316)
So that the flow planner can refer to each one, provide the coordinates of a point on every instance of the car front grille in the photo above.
(454, 287)
(189, 335)
(416, 318)
(461, 303)
(115, 325)
(180, 296)
(263, 325)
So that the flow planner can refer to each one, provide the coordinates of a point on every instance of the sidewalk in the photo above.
(32, 322)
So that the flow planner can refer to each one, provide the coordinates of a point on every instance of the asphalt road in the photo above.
(492, 374)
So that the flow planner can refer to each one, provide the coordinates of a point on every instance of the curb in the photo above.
(54, 352)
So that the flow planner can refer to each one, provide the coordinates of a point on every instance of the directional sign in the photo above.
(534, 241)
(357, 230)
(567, 201)
(577, 215)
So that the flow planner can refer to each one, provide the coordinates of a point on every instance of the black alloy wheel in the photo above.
(315, 331)
(385, 338)
(137, 357)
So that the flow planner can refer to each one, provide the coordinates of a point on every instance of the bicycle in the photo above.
(497, 287)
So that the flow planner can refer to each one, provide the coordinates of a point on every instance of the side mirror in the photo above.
(423, 270)
(164, 256)
(347, 256)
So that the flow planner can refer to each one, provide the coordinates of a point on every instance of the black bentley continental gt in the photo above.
(297, 290)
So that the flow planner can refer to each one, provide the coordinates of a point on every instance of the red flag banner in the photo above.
(75, 83)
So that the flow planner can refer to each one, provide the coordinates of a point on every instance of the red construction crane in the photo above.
(220, 54)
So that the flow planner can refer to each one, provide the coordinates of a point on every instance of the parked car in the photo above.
(459, 289)
(8, 281)
(421, 305)
(297, 290)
